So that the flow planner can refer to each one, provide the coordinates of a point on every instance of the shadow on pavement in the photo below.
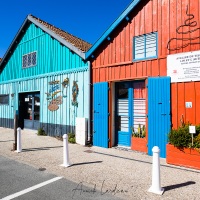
(86, 163)
(172, 187)
(142, 161)
(7, 141)
(40, 149)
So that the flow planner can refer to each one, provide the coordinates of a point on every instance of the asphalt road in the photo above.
(22, 182)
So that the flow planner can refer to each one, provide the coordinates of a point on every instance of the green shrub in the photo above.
(181, 138)
(71, 138)
(41, 132)
(197, 141)
(141, 132)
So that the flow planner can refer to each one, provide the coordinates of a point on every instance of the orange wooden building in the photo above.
(146, 73)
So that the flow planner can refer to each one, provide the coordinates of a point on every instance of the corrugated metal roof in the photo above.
(75, 41)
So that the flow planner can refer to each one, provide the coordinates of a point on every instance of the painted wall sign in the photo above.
(75, 91)
(53, 105)
(187, 29)
(184, 67)
(54, 88)
(64, 86)
(54, 82)
(52, 97)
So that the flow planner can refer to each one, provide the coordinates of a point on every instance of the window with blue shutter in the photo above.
(145, 46)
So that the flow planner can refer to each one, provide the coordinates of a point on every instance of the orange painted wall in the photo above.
(114, 59)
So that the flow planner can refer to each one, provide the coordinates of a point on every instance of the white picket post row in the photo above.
(155, 187)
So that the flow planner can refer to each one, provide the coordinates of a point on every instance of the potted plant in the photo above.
(138, 139)
(180, 148)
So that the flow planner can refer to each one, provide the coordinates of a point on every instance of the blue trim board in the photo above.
(68, 71)
(112, 27)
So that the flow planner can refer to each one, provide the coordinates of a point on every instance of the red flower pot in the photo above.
(139, 144)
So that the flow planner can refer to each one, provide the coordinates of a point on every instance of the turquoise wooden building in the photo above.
(44, 78)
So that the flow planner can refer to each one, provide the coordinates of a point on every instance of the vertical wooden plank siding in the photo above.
(51, 56)
(197, 97)
(164, 17)
(173, 20)
(148, 17)
(181, 103)
(101, 118)
(174, 104)
(154, 15)
(185, 3)
(194, 9)
(180, 94)
(159, 28)
(66, 114)
(165, 26)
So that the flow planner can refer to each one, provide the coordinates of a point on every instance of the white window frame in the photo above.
(144, 38)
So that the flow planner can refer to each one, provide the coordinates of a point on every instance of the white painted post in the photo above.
(155, 187)
(65, 151)
(19, 144)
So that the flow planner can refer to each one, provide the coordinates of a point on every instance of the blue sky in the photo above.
(85, 19)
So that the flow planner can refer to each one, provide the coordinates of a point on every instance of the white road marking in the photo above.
(12, 196)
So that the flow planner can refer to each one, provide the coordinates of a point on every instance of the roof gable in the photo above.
(80, 44)
(112, 27)
(75, 44)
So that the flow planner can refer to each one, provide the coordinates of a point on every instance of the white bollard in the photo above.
(155, 187)
(65, 151)
(19, 144)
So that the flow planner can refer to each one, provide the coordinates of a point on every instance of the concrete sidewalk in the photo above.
(124, 174)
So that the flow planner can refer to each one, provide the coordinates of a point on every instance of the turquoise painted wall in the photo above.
(51, 56)
(54, 62)
(67, 113)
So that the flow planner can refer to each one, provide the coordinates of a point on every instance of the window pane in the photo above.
(151, 45)
(122, 90)
(139, 47)
(24, 60)
(151, 51)
(29, 60)
(34, 58)
(4, 99)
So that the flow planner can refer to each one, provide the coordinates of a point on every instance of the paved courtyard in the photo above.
(123, 174)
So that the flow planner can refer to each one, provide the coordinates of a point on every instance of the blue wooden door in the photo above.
(100, 117)
(159, 119)
(124, 112)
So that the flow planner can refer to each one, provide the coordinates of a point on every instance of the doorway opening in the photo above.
(130, 110)
(29, 110)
